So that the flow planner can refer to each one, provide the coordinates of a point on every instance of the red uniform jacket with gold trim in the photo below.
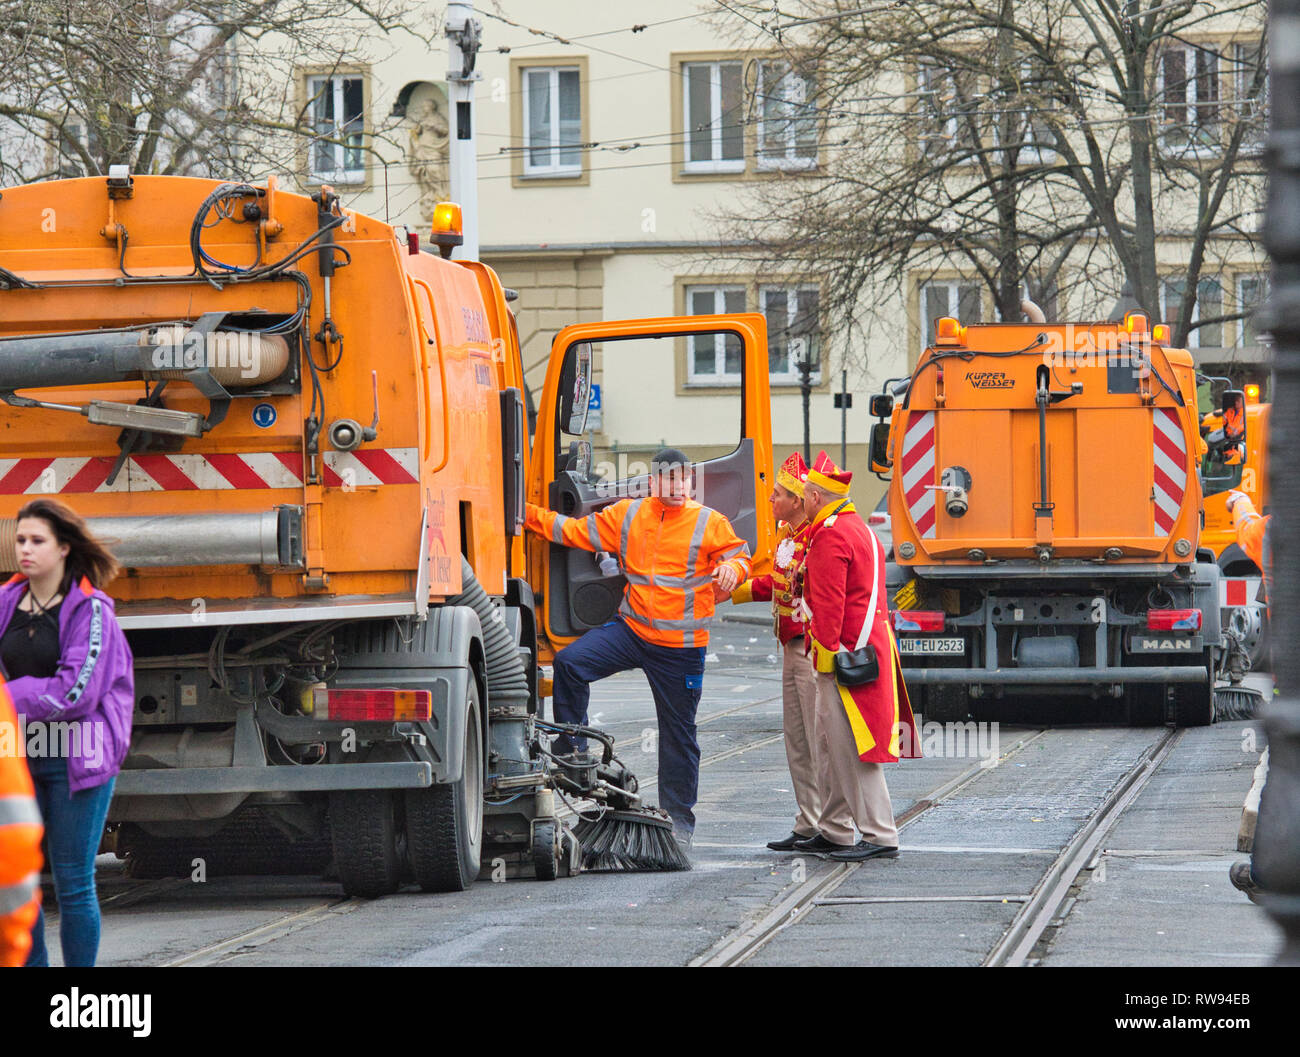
(782, 586)
(838, 572)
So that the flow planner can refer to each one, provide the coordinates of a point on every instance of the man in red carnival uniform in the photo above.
(857, 728)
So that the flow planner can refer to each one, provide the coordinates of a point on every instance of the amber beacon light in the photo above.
(448, 228)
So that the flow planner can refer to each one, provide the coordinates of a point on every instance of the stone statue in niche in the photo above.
(427, 158)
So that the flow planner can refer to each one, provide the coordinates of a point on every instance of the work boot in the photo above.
(1243, 880)
(683, 837)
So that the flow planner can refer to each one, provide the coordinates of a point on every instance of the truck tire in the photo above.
(363, 825)
(1194, 702)
(444, 823)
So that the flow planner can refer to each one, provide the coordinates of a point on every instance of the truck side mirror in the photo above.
(575, 389)
(1233, 406)
(882, 405)
(880, 461)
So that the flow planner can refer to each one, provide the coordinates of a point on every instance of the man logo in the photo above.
(1171, 645)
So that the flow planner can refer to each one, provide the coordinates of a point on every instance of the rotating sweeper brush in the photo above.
(619, 831)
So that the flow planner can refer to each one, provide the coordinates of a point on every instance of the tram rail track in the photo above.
(1038, 909)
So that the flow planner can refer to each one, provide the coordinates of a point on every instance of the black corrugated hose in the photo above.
(507, 680)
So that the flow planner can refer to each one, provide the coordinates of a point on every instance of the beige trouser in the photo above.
(852, 792)
(799, 687)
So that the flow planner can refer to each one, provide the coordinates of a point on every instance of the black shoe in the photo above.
(786, 843)
(817, 845)
(1243, 880)
(864, 849)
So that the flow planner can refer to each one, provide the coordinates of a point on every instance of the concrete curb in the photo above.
(1250, 810)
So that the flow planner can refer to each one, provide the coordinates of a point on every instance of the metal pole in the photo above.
(1277, 837)
(805, 387)
(844, 418)
(464, 32)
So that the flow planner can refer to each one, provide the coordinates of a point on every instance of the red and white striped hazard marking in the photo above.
(1170, 468)
(1239, 591)
(918, 472)
(214, 472)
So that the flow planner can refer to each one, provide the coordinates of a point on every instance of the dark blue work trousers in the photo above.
(676, 675)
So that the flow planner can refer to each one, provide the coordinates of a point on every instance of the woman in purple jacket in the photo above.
(70, 677)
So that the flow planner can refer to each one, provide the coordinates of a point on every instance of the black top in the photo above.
(30, 645)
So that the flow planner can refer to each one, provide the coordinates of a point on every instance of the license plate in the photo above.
(931, 645)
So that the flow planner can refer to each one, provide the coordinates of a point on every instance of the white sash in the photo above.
(876, 573)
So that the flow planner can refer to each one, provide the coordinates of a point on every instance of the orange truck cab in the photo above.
(1045, 509)
(1243, 605)
(305, 439)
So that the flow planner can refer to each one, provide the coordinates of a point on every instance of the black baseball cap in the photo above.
(666, 459)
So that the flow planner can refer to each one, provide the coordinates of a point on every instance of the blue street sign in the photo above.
(594, 403)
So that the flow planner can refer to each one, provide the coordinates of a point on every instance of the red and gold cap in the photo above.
(792, 474)
(829, 477)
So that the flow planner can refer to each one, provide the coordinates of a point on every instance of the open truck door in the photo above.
(615, 393)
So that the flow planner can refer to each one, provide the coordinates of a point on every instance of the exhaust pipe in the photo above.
(272, 537)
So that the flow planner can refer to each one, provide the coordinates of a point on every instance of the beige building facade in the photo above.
(606, 154)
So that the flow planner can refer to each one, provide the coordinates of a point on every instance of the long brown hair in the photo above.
(86, 555)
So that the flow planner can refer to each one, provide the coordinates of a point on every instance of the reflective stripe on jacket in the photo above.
(668, 555)
(1252, 537)
(20, 842)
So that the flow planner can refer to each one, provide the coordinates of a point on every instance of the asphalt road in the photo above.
(1158, 895)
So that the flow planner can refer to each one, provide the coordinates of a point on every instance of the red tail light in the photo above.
(1174, 619)
(360, 705)
(917, 620)
(877, 519)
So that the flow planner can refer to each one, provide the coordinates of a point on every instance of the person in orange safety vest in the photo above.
(783, 587)
(672, 551)
(1252, 537)
(20, 841)
(857, 727)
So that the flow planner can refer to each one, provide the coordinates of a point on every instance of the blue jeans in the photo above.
(676, 676)
(73, 828)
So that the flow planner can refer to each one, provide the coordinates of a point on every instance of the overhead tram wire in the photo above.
(638, 28)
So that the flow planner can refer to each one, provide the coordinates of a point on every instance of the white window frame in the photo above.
(716, 163)
(1168, 311)
(1030, 152)
(954, 287)
(792, 376)
(341, 173)
(720, 377)
(1247, 109)
(1244, 305)
(795, 92)
(556, 166)
(938, 108)
(1189, 134)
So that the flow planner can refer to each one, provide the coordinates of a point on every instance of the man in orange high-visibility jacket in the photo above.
(671, 550)
(1252, 537)
(784, 588)
(20, 841)
(1252, 532)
